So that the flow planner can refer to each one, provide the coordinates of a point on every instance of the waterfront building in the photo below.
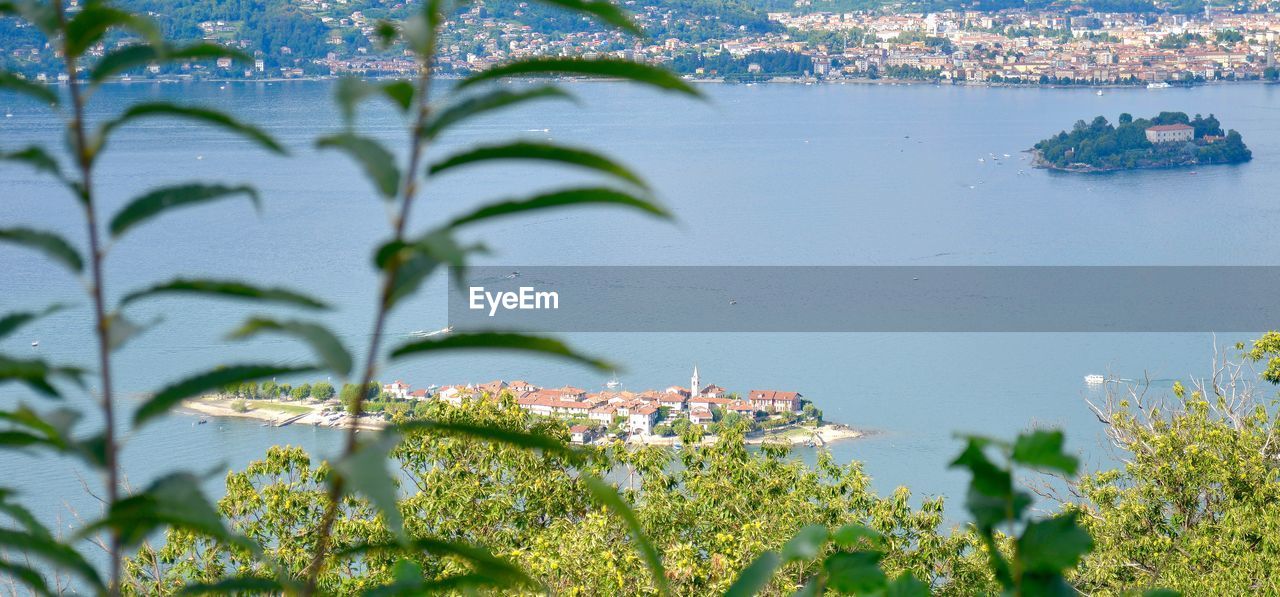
(774, 401)
(1170, 133)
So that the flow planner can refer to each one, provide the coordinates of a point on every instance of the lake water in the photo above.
(761, 175)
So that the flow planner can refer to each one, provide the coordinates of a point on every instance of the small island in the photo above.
(1168, 140)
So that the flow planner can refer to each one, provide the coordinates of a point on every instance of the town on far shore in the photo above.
(594, 417)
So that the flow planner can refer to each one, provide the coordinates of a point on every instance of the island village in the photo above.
(610, 414)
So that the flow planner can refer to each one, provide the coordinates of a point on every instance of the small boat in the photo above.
(512, 275)
(1094, 379)
(613, 383)
(981, 160)
(35, 344)
(1099, 92)
(202, 421)
(733, 301)
(1159, 85)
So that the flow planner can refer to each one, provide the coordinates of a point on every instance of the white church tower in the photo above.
(695, 388)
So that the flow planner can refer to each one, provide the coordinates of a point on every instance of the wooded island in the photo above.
(1168, 140)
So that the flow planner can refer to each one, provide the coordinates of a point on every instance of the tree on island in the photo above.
(322, 390)
(300, 392)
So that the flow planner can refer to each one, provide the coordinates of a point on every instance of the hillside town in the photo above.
(1019, 46)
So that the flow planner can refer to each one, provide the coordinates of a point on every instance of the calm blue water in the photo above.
(764, 175)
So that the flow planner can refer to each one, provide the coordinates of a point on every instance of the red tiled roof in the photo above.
(773, 395)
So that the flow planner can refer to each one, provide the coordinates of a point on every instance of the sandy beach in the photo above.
(277, 414)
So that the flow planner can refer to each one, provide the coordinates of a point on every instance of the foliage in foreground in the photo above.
(708, 511)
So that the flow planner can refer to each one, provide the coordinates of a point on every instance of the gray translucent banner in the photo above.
(866, 299)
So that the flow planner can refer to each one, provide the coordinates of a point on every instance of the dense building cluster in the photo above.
(296, 38)
(612, 409)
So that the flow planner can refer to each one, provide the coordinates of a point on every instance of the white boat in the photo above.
(1099, 92)
(1159, 85)
(613, 383)
(426, 334)
(1094, 379)
(35, 344)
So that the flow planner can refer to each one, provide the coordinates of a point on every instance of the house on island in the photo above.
(398, 389)
(492, 388)
(707, 402)
(742, 407)
(700, 416)
(642, 419)
(582, 434)
(773, 401)
(1170, 133)
(675, 402)
(520, 386)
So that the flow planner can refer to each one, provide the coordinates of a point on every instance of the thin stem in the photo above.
(84, 162)
(408, 192)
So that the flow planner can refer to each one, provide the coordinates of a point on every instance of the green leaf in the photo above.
(365, 471)
(1042, 450)
(524, 150)
(988, 478)
(607, 12)
(137, 55)
(565, 198)
(756, 576)
(605, 495)
(37, 158)
(174, 500)
(1053, 545)
(855, 572)
(476, 105)
(36, 373)
(58, 555)
(480, 558)
(906, 585)
(519, 439)
(378, 163)
(325, 344)
(163, 199)
(236, 585)
(227, 289)
(53, 246)
(11, 82)
(52, 430)
(400, 93)
(203, 115)
(607, 68)
(806, 545)
(167, 398)
(27, 576)
(93, 21)
(1161, 593)
(349, 92)
(849, 535)
(13, 321)
(22, 516)
(414, 261)
(498, 341)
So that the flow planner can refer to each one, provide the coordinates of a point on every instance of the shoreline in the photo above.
(262, 410)
(781, 80)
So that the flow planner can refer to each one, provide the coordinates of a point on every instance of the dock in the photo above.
(290, 420)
